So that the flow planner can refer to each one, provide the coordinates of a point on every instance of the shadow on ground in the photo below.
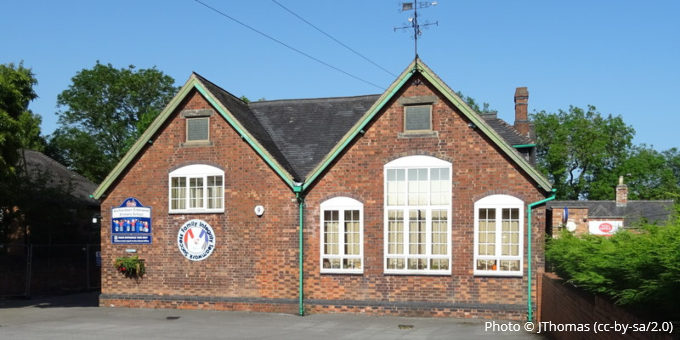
(86, 299)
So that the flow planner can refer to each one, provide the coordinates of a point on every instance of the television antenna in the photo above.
(413, 21)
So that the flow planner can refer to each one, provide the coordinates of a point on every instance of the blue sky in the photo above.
(621, 56)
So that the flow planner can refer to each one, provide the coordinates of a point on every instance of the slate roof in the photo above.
(307, 129)
(506, 130)
(245, 116)
(299, 138)
(40, 166)
(299, 133)
(652, 211)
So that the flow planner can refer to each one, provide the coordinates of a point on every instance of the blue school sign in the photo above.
(131, 223)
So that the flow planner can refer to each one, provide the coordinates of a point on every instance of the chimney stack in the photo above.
(522, 112)
(621, 193)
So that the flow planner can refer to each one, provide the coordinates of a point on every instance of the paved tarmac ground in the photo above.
(78, 317)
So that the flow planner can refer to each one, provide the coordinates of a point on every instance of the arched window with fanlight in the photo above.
(196, 188)
(342, 237)
(417, 202)
(499, 226)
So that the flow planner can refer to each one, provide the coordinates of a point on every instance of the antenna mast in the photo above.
(413, 21)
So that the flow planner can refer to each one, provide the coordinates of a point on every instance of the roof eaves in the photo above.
(194, 81)
(484, 127)
(260, 136)
(247, 136)
(418, 66)
(144, 138)
(361, 123)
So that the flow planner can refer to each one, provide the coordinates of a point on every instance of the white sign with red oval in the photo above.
(604, 227)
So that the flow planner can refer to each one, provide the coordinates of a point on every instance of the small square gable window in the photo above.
(417, 118)
(198, 129)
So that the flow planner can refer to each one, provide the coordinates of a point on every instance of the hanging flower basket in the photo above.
(130, 266)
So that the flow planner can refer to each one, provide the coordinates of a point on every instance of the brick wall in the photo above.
(563, 304)
(577, 215)
(254, 264)
(479, 169)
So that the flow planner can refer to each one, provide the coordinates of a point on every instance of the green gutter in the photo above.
(301, 204)
(531, 206)
(524, 146)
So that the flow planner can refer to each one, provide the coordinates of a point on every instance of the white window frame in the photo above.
(195, 171)
(341, 204)
(499, 202)
(417, 162)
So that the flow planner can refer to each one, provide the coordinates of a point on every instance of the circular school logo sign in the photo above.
(196, 240)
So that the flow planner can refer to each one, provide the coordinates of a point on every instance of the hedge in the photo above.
(638, 270)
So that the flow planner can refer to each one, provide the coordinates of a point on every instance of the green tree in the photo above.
(18, 126)
(648, 173)
(472, 103)
(103, 112)
(672, 157)
(581, 151)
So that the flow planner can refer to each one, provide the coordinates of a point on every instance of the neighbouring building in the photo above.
(58, 207)
(48, 241)
(606, 217)
(406, 203)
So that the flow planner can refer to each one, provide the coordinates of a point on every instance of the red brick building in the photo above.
(408, 203)
(606, 217)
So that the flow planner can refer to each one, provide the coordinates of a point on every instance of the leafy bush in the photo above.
(130, 266)
(640, 271)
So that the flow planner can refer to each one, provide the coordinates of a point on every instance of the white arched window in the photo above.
(197, 188)
(499, 225)
(417, 216)
(342, 239)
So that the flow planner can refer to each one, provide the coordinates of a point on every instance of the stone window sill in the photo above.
(195, 144)
(408, 135)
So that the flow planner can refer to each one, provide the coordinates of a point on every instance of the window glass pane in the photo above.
(486, 235)
(215, 192)
(439, 264)
(417, 264)
(178, 194)
(331, 237)
(417, 118)
(351, 263)
(417, 231)
(395, 232)
(417, 187)
(439, 232)
(510, 232)
(439, 186)
(486, 265)
(352, 243)
(396, 187)
(328, 263)
(509, 265)
(395, 263)
(198, 129)
(196, 192)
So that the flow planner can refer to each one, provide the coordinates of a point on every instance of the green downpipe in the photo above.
(530, 315)
(301, 204)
